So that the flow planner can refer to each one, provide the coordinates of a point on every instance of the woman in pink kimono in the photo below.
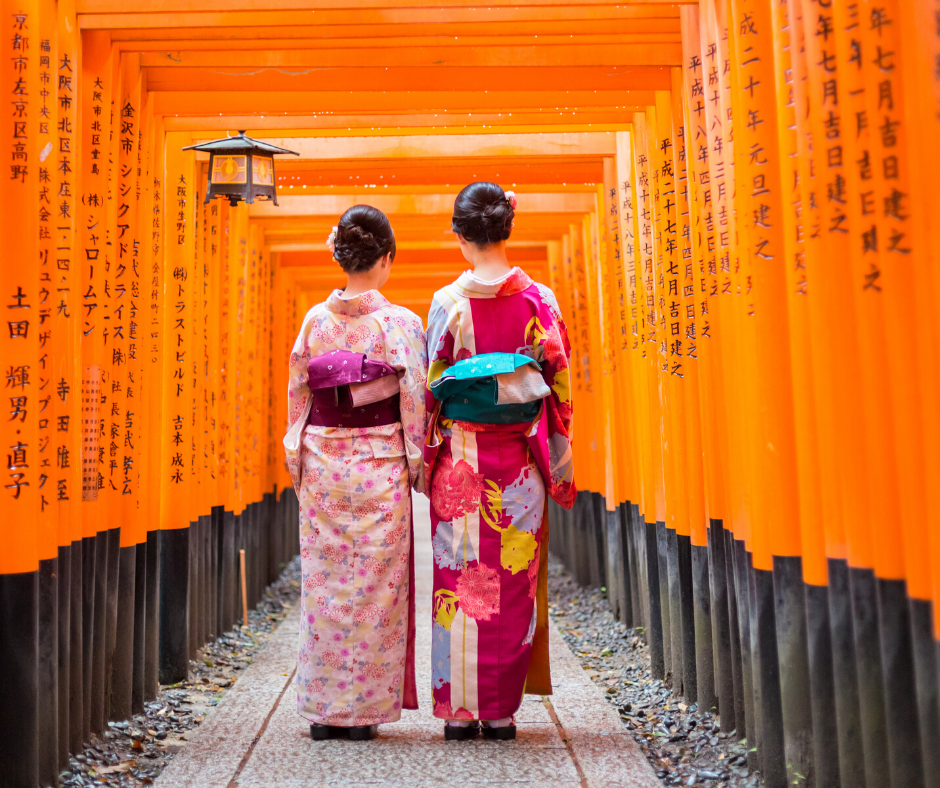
(358, 373)
(498, 442)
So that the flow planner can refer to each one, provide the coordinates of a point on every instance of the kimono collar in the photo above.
(470, 286)
(363, 304)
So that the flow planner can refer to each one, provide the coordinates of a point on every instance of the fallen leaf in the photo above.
(126, 766)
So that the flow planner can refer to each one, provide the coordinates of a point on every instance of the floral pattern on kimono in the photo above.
(355, 663)
(488, 486)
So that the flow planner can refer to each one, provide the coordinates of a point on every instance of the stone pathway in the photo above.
(255, 739)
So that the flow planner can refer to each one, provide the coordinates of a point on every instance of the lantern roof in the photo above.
(239, 142)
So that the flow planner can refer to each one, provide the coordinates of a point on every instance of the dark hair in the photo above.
(483, 214)
(363, 235)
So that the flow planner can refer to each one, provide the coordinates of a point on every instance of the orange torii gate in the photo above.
(732, 201)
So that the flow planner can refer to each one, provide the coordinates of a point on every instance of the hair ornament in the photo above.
(511, 197)
(331, 240)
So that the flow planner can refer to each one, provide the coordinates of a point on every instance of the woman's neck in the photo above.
(357, 284)
(489, 262)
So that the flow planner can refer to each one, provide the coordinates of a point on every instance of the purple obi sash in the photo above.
(350, 390)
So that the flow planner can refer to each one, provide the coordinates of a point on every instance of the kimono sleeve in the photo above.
(298, 402)
(407, 352)
(556, 370)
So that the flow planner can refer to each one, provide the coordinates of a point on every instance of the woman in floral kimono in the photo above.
(499, 440)
(358, 373)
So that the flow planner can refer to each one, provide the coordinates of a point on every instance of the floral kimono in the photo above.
(356, 660)
(488, 484)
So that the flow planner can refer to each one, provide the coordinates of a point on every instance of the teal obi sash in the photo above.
(470, 389)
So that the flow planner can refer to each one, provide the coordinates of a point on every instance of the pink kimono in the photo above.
(356, 657)
(488, 485)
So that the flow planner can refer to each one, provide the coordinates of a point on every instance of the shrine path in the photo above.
(254, 738)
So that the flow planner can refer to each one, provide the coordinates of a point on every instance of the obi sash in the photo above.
(348, 389)
(492, 388)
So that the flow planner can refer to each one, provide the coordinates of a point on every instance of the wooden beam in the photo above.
(654, 19)
(558, 10)
(269, 102)
(203, 6)
(620, 119)
(433, 78)
(404, 204)
(645, 50)
(469, 146)
(394, 37)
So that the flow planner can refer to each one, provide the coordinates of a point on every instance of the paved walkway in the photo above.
(255, 738)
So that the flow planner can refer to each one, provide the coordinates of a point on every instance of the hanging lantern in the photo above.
(241, 168)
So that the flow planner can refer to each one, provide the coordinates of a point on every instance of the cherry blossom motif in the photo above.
(478, 590)
(392, 639)
(374, 671)
(456, 488)
(314, 581)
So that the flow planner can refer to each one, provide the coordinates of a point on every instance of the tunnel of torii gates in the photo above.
(733, 202)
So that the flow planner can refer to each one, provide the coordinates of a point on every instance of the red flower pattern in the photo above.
(456, 488)
(478, 590)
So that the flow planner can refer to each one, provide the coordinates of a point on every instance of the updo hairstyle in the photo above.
(363, 236)
(483, 214)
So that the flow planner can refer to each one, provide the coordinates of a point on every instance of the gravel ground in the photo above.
(133, 752)
(685, 746)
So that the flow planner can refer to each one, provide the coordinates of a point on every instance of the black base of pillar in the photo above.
(65, 650)
(174, 605)
(655, 630)
(767, 701)
(97, 628)
(870, 678)
(742, 602)
(675, 612)
(845, 677)
(77, 649)
(89, 589)
(704, 634)
(19, 656)
(721, 632)
(897, 664)
(687, 616)
(665, 609)
(111, 616)
(122, 659)
(793, 665)
(822, 687)
(928, 696)
(152, 633)
(47, 676)
(138, 691)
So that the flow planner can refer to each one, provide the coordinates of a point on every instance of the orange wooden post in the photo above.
(95, 127)
(19, 340)
(176, 452)
(699, 602)
(894, 272)
(785, 721)
(124, 416)
(660, 636)
(632, 361)
(921, 90)
(52, 452)
(67, 333)
(703, 309)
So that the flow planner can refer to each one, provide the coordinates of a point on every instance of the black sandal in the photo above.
(324, 732)
(461, 732)
(505, 733)
(363, 732)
